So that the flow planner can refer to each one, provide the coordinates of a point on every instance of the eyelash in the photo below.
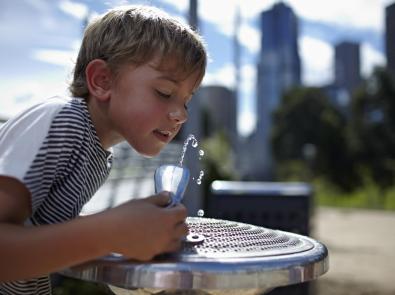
(167, 96)
(163, 94)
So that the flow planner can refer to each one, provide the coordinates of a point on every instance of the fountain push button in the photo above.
(194, 238)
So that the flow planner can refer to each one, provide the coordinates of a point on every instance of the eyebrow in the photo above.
(163, 76)
(169, 78)
(174, 80)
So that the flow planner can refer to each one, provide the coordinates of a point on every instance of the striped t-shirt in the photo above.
(54, 150)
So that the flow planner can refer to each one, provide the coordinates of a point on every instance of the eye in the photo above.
(163, 94)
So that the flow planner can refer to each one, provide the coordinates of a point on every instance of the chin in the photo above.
(149, 154)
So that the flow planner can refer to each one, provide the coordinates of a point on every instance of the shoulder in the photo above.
(31, 124)
(50, 105)
(36, 118)
(22, 137)
(40, 114)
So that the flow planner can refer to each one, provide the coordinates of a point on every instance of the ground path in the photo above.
(361, 247)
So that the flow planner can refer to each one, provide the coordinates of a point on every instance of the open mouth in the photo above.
(163, 135)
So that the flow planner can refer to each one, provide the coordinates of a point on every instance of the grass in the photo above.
(369, 196)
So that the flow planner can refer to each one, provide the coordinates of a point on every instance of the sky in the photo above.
(40, 41)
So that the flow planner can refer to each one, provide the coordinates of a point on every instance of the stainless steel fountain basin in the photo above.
(217, 256)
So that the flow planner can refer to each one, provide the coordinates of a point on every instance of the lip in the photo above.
(163, 136)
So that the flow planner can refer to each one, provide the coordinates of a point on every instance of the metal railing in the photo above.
(131, 176)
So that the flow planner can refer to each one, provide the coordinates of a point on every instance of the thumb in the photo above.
(162, 199)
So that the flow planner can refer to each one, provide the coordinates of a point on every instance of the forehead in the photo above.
(166, 68)
(175, 69)
(170, 66)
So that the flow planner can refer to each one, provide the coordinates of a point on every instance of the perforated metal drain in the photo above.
(228, 239)
(217, 255)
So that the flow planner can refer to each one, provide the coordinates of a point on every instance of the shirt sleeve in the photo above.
(22, 137)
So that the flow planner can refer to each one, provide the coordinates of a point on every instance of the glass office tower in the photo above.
(278, 70)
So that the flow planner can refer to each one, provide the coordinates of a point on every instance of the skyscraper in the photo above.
(279, 62)
(218, 105)
(390, 37)
(347, 66)
(278, 70)
(192, 126)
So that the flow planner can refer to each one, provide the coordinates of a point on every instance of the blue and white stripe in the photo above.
(67, 170)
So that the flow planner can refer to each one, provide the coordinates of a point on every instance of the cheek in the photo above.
(142, 117)
(139, 108)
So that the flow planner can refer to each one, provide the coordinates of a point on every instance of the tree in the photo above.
(371, 131)
(309, 129)
(218, 160)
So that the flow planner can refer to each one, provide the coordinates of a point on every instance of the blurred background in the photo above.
(297, 91)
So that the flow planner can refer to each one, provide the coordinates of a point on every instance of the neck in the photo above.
(103, 126)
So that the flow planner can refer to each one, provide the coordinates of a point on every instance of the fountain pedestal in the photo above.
(218, 257)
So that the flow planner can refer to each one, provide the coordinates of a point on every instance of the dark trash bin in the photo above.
(286, 206)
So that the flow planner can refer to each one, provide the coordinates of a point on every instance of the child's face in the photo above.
(148, 106)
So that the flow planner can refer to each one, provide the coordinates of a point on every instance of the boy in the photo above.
(136, 71)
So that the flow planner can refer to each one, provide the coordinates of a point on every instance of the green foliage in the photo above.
(354, 153)
(218, 160)
(294, 170)
(368, 196)
(371, 130)
(308, 129)
(69, 286)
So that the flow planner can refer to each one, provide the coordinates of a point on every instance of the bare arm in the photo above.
(138, 229)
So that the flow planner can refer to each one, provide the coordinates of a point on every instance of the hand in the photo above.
(143, 228)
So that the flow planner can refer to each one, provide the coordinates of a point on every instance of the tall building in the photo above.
(278, 70)
(390, 37)
(218, 105)
(192, 126)
(347, 66)
(279, 62)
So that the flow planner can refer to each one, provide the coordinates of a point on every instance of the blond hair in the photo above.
(135, 34)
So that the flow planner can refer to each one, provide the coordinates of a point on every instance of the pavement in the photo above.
(361, 246)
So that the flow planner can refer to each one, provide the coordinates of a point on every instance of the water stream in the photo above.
(191, 138)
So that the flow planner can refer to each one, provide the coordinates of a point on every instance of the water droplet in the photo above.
(200, 213)
(199, 181)
(194, 144)
(184, 148)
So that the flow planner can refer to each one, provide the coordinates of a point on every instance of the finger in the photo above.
(179, 212)
(182, 229)
(162, 199)
(174, 245)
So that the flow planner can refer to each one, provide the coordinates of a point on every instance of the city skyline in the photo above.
(35, 63)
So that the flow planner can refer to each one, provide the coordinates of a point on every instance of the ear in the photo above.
(98, 78)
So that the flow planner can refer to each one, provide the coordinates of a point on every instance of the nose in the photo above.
(179, 115)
